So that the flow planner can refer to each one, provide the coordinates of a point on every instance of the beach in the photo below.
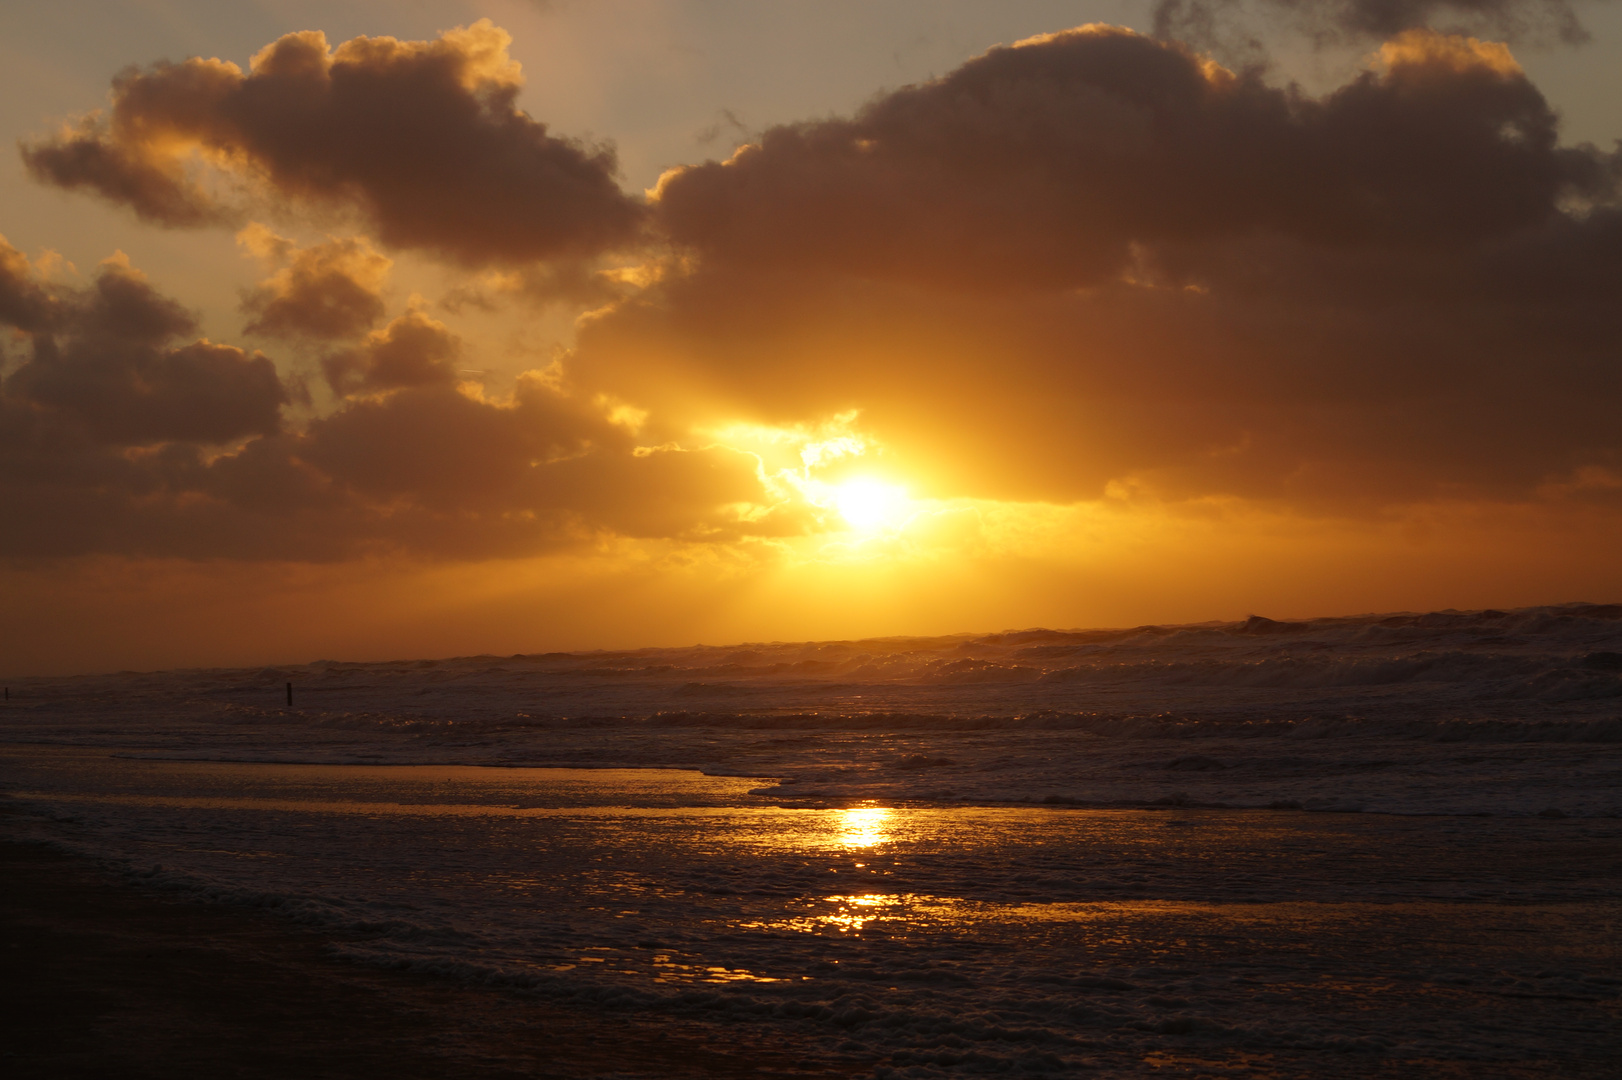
(912, 541)
(1346, 848)
(577, 937)
(105, 979)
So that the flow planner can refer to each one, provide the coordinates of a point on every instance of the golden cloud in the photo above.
(1093, 269)
(423, 139)
(327, 291)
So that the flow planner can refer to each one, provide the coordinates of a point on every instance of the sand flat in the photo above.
(107, 979)
(869, 940)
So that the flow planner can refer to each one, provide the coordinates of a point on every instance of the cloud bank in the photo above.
(1099, 259)
(1217, 23)
(1091, 266)
(121, 433)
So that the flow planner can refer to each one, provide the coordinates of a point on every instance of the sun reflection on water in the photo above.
(842, 914)
(864, 826)
(855, 912)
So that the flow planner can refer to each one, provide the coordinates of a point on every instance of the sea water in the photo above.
(933, 857)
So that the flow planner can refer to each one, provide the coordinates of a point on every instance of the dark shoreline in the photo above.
(105, 979)
(102, 976)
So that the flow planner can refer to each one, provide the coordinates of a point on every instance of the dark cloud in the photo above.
(114, 365)
(117, 435)
(158, 188)
(329, 291)
(1043, 165)
(540, 465)
(426, 471)
(413, 350)
(1096, 262)
(25, 302)
(1226, 24)
(423, 138)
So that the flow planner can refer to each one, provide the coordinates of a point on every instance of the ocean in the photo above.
(1384, 844)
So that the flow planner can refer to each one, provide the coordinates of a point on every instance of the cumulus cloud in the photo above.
(413, 350)
(1091, 266)
(124, 433)
(426, 471)
(112, 361)
(25, 302)
(1209, 23)
(423, 138)
(1099, 263)
(1043, 164)
(331, 290)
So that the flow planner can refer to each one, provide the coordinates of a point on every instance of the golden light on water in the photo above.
(864, 826)
(856, 912)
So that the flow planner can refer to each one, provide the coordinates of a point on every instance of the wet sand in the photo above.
(104, 979)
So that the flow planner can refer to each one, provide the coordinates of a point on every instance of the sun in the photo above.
(870, 504)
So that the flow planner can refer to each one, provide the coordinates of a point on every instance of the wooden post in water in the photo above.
(289, 695)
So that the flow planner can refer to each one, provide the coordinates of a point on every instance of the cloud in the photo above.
(157, 186)
(423, 138)
(543, 466)
(111, 361)
(122, 433)
(1042, 165)
(413, 350)
(1211, 24)
(25, 302)
(332, 290)
(1091, 267)
(578, 284)
(1099, 263)
(426, 472)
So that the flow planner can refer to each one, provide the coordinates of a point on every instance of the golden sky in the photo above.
(366, 330)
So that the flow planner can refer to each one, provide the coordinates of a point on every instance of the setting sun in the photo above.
(870, 504)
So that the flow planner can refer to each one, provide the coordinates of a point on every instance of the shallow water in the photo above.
(1039, 852)
(924, 940)
(1504, 713)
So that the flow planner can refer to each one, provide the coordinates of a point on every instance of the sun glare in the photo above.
(864, 826)
(869, 504)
